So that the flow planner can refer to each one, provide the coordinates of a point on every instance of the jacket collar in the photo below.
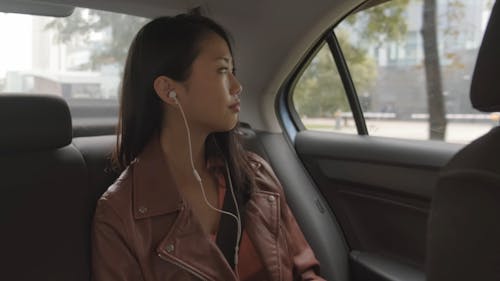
(154, 191)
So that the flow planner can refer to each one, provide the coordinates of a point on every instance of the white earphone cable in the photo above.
(198, 178)
(238, 237)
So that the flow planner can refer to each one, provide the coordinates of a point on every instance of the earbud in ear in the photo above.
(172, 94)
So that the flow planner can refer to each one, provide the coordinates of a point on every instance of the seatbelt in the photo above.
(227, 232)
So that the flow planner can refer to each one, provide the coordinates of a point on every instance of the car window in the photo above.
(319, 96)
(402, 94)
(79, 58)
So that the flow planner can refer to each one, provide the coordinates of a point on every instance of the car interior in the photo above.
(372, 208)
(466, 195)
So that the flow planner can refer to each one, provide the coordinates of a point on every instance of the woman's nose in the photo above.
(236, 88)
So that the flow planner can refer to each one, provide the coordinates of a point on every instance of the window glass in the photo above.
(80, 57)
(395, 97)
(319, 96)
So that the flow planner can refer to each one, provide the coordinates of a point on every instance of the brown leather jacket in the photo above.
(143, 231)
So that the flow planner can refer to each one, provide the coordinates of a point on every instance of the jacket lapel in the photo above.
(263, 216)
(155, 193)
(262, 226)
(188, 247)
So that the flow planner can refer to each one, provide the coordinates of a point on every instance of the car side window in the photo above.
(403, 94)
(320, 98)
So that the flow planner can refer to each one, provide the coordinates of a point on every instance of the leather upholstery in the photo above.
(33, 122)
(464, 229)
(485, 89)
(45, 203)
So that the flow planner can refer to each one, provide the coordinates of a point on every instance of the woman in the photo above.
(191, 204)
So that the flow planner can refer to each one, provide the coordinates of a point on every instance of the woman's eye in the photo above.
(227, 70)
(223, 70)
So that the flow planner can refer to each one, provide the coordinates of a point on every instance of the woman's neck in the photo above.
(175, 147)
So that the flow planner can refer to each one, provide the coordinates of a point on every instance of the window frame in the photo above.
(285, 107)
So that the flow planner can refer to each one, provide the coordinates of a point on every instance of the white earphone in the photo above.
(173, 95)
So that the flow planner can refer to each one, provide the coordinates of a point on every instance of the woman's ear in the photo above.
(163, 86)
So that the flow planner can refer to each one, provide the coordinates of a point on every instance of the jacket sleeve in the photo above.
(305, 264)
(112, 259)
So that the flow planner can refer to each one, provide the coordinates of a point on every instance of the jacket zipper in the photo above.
(183, 266)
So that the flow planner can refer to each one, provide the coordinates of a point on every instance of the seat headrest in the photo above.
(33, 122)
(485, 86)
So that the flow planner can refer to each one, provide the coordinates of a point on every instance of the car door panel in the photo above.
(368, 266)
(378, 188)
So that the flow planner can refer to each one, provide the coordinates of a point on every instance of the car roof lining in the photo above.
(63, 8)
(36, 8)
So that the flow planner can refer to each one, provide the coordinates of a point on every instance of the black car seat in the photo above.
(464, 223)
(45, 202)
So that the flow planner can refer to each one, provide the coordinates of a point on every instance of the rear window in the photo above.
(79, 58)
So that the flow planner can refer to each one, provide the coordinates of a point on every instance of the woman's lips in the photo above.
(235, 107)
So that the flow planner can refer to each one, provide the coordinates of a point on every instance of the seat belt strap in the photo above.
(228, 228)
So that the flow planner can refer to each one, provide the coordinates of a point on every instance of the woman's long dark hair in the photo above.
(168, 46)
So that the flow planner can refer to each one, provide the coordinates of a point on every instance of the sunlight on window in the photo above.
(16, 48)
(385, 50)
(78, 57)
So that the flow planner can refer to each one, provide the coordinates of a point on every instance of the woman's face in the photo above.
(212, 91)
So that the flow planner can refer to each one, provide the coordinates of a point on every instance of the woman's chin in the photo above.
(228, 127)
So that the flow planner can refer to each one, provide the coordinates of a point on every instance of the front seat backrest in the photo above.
(464, 225)
(44, 200)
